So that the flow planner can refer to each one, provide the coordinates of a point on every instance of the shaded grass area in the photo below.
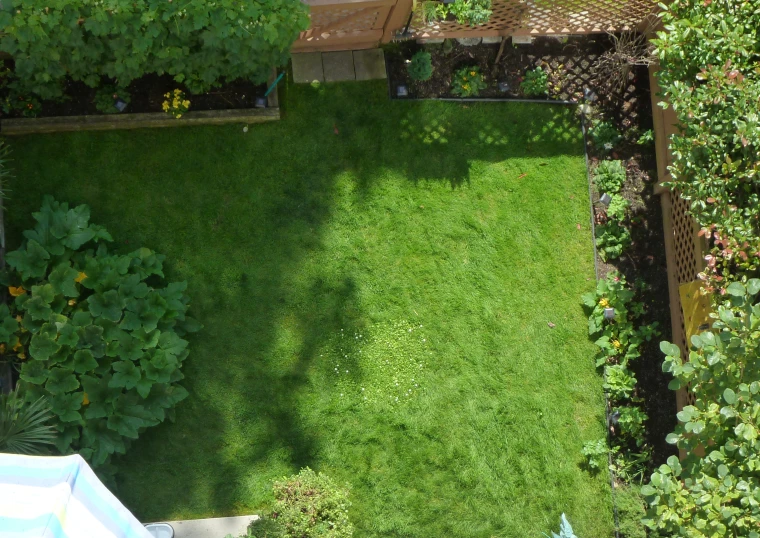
(415, 259)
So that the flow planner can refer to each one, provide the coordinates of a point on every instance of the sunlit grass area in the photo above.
(390, 293)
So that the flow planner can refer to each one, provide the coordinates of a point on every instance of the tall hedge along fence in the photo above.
(710, 73)
(201, 43)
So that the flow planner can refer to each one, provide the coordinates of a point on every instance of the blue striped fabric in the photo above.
(59, 497)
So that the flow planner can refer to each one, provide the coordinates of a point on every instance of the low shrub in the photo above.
(618, 208)
(609, 176)
(95, 333)
(467, 82)
(612, 239)
(471, 12)
(420, 68)
(106, 96)
(311, 505)
(175, 103)
(605, 136)
(535, 83)
(596, 454)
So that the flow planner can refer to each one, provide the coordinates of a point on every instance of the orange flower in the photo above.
(18, 346)
(16, 291)
(81, 276)
(2, 348)
(85, 399)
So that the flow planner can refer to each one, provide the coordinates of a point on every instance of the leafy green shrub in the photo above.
(467, 82)
(309, 505)
(97, 334)
(471, 12)
(105, 98)
(632, 422)
(611, 240)
(421, 66)
(717, 490)
(565, 530)
(25, 427)
(609, 176)
(646, 138)
(27, 105)
(536, 83)
(619, 382)
(197, 42)
(596, 453)
(605, 136)
(618, 208)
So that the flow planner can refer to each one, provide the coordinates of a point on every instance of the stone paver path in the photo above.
(338, 66)
(215, 527)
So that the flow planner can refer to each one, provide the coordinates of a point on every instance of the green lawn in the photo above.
(422, 252)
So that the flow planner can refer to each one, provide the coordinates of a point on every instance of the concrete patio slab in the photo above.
(307, 67)
(338, 66)
(369, 64)
(215, 527)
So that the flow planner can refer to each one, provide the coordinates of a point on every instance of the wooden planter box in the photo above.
(147, 120)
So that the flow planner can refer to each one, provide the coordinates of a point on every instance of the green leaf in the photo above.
(127, 375)
(736, 289)
(43, 344)
(38, 309)
(107, 305)
(729, 396)
(753, 286)
(67, 334)
(125, 425)
(31, 261)
(66, 406)
(84, 361)
(670, 350)
(63, 280)
(61, 380)
(648, 490)
(34, 372)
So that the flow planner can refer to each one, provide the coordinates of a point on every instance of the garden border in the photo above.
(144, 120)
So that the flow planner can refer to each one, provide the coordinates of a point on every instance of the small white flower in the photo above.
(346, 371)
(245, 129)
(607, 146)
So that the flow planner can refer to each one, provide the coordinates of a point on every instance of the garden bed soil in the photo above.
(567, 60)
(644, 261)
(147, 95)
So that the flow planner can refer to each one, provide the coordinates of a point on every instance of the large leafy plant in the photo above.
(715, 493)
(198, 42)
(97, 334)
(25, 426)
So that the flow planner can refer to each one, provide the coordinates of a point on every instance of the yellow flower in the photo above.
(186, 103)
(85, 399)
(165, 106)
(616, 344)
(81, 276)
(18, 318)
(16, 291)
(167, 95)
(72, 302)
(18, 346)
(21, 355)
(178, 116)
(604, 303)
(2, 349)
(473, 73)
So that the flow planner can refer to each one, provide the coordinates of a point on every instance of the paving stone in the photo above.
(469, 41)
(369, 64)
(307, 67)
(492, 40)
(338, 66)
(431, 41)
(215, 527)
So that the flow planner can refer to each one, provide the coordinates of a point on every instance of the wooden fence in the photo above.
(357, 24)
(684, 249)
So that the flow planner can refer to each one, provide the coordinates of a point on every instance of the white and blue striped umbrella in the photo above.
(59, 497)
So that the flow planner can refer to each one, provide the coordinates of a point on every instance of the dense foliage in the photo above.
(710, 73)
(97, 334)
(421, 66)
(309, 505)
(199, 43)
(535, 83)
(468, 81)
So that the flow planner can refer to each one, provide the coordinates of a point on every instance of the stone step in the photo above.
(340, 66)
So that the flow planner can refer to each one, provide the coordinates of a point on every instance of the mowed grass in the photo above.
(410, 253)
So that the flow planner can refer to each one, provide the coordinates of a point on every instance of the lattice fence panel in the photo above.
(332, 18)
(545, 17)
(685, 263)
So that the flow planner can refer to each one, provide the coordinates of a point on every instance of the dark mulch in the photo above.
(567, 60)
(644, 260)
(147, 95)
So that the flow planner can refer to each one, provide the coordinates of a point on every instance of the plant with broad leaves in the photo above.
(609, 176)
(25, 426)
(471, 12)
(619, 382)
(536, 83)
(468, 81)
(612, 239)
(596, 453)
(714, 491)
(565, 530)
(97, 334)
(199, 43)
(632, 423)
(618, 208)
(605, 136)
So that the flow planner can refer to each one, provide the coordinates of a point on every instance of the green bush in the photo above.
(605, 136)
(467, 82)
(471, 12)
(536, 83)
(311, 505)
(618, 208)
(105, 98)
(197, 42)
(597, 454)
(612, 239)
(421, 66)
(97, 334)
(609, 176)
